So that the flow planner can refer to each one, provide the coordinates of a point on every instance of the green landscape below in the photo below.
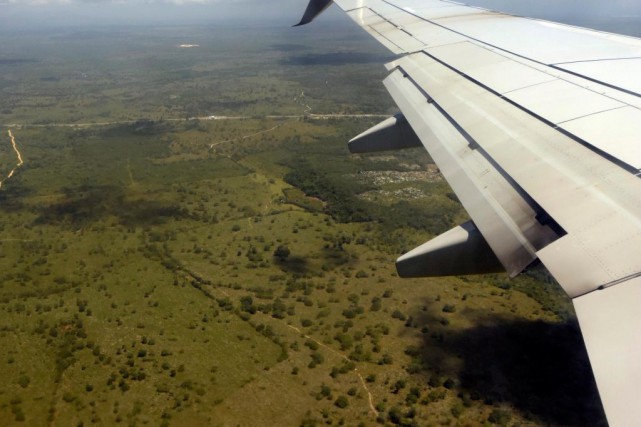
(189, 242)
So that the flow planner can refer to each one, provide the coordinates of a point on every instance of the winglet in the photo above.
(314, 8)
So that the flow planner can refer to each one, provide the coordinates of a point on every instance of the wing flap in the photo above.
(610, 321)
(595, 201)
(504, 217)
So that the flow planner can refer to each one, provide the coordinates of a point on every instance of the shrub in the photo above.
(500, 417)
(24, 381)
(449, 308)
(341, 402)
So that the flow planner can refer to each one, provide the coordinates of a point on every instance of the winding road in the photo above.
(18, 155)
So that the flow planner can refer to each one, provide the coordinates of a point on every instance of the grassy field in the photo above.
(167, 270)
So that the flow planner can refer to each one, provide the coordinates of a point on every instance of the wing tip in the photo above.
(314, 8)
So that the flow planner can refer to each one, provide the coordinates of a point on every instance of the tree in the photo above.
(282, 252)
(345, 341)
(341, 402)
(247, 304)
(278, 309)
(395, 415)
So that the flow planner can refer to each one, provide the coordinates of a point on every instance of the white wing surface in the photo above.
(537, 128)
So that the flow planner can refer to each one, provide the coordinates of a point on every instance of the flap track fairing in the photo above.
(394, 133)
(459, 251)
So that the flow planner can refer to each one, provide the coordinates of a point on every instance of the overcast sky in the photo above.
(149, 11)
(16, 13)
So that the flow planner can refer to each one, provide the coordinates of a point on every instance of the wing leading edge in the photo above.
(536, 127)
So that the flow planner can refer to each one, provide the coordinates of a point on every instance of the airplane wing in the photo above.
(537, 128)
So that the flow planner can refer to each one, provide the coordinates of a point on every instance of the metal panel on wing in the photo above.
(398, 37)
(617, 132)
(574, 185)
(432, 35)
(498, 210)
(621, 73)
(610, 322)
(490, 67)
(559, 101)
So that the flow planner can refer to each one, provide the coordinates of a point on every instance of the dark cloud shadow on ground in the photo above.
(540, 367)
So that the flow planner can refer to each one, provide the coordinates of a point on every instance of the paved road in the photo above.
(273, 117)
